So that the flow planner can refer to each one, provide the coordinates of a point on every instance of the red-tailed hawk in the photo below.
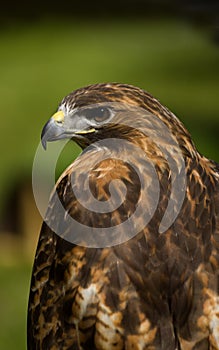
(128, 253)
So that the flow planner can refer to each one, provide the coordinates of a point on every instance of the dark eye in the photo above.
(99, 114)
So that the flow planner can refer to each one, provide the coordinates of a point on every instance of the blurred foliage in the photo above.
(42, 62)
(13, 304)
(199, 12)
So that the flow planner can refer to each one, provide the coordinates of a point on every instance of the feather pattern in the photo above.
(151, 291)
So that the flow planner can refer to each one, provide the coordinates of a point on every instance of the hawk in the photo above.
(110, 273)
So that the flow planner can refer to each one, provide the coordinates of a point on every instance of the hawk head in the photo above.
(103, 110)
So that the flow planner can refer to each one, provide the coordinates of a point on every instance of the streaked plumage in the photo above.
(153, 291)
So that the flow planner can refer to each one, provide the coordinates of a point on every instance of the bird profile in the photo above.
(128, 253)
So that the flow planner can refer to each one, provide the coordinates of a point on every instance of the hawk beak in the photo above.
(56, 130)
(53, 129)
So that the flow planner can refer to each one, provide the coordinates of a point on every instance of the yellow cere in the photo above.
(58, 116)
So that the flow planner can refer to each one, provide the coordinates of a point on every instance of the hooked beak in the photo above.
(55, 129)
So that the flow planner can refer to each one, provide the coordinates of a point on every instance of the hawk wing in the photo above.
(155, 289)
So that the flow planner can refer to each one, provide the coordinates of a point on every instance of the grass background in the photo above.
(42, 61)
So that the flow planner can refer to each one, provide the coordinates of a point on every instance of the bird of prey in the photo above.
(110, 273)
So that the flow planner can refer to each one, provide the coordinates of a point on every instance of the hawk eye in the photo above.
(99, 114)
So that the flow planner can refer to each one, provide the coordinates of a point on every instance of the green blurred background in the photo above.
(45, 57)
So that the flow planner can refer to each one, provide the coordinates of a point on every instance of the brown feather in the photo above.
(154, 291)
